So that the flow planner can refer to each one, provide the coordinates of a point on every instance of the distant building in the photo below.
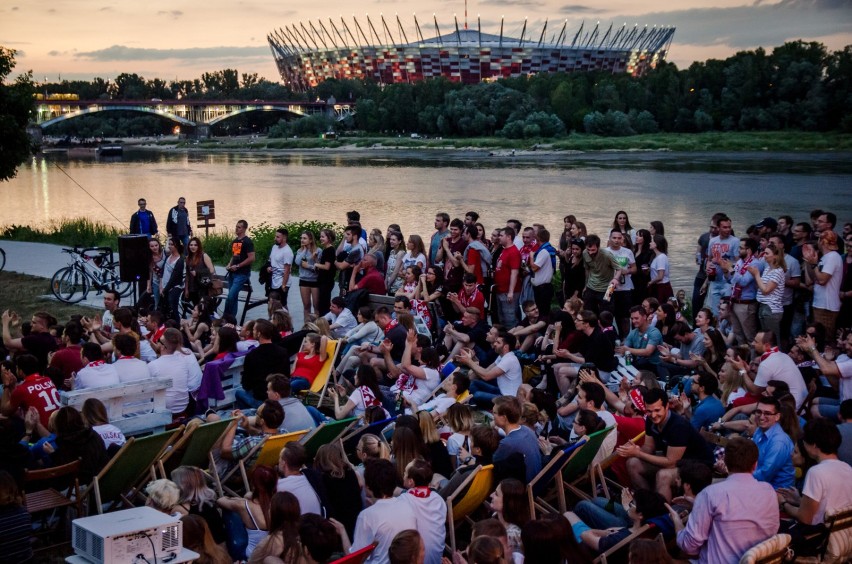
(306, 56)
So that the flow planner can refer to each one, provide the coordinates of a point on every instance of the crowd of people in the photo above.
(726, 407)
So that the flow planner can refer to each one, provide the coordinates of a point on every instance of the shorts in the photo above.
(308, 283)
(829, 408)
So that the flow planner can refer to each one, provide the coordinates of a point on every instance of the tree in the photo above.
(16, 108)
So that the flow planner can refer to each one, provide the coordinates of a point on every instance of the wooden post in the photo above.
(206, 211)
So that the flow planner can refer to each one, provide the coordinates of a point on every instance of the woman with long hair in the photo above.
(306, 258)
(460, 421)
(326, 271)
(75, 440)
(283, 538)
(622, 224)
(198, 498)
(574, 279)
(666, 317)
(511, 507)
(482, 237)
(199, 272)
(172, 288)
(416, 253)
(155, 270)
(436, 450)
(341, 485)
(430, 289)
(405, 447)
(376, 247)
(367, 394)
(411, 280)
(396, 250)
(309, 362)
(657, 228)
(644, 255)
(659, 285)
(95, 416)
(253, 509)
(578, 230)
(198, 538)
(770, 287)
(197, 328)
(732, 384)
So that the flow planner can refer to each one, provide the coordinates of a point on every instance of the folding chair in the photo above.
(467, 498)
(350, 440)
(838, 534)
(267, 452)
(579, 467)
(44, 501)
(539, 485)
(358, 557)
(320, 383)
(713, 438)
(116, 483)
(325, 433)
(195, 448)
(771, 551)
(647, 531)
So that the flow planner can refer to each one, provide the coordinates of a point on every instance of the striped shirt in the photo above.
(774, 299)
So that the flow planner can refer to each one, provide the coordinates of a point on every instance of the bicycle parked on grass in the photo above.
(90, 268)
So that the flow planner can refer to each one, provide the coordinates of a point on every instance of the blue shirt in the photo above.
(775, 457)
(522, 440)
(640, 339)
(709, 410)
(745, 280)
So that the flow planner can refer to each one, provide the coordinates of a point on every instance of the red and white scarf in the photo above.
(765, 355)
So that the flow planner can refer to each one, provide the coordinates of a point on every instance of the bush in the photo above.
(612, 123)
(644, 122)
(83, 232)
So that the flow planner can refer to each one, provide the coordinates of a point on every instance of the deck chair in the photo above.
(350, 439)
(195, 448)
(838, 535)
(266, 452)
(467, 498)
(325, 433)
(320, 383)
(713, 438)
(116, 484)
(358, 557)
(539, 485)
(606, 463)
(771, 551)
(647, 531)
(579, 467)
(43, 502)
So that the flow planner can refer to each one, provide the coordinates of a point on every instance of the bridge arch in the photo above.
(248, 109)
(96, 109)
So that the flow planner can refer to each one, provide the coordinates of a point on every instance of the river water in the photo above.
(409, 187)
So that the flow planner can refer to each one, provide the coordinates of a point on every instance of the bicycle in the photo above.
(92, 267)
(2, 259)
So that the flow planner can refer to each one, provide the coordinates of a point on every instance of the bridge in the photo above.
(191, 113)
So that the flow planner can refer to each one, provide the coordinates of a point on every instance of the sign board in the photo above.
(206, 210)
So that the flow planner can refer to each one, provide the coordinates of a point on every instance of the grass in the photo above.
(80, 231)
(28, 294)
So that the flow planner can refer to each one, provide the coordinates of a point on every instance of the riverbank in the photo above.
(722, 142)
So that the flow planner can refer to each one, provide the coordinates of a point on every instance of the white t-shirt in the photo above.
(96, 375)
(544, 274)
(624, 257)
(131, 370)
(185, 373)
(511, 378)
(660, 262)
(845, 367)
(343, 322)
(106, 322)
(363, 398)
(111, 434)
(417, 389)
(794, 270)
(828, 483)
(300, 487)
(409, 260)
(280, 257)
(775, 298)
(828, 296)
(431, 515)
(380, 523)
(779, 366)
(440, 404)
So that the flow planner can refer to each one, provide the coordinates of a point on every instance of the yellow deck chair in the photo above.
(468, 497)
(269, 453)
(320, 383)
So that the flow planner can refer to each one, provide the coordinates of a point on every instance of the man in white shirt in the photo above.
(129, 368)
(387, 516)
(339, 317)
(180, 365)
(827, 275)
(281, 260)
(774, 365)
(428, 507)
(293, 459)
(838, 372)
(96, 374)
(623, 294)
(506, 371)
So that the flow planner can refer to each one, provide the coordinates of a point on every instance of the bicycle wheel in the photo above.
(2, 259)
(69, 285)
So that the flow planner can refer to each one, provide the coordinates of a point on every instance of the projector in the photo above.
(120, 537)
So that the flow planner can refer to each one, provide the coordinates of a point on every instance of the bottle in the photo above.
(609, 290)
(628, 359)
(399, 403)
(618, 342)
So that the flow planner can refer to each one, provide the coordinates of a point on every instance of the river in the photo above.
(409, 187)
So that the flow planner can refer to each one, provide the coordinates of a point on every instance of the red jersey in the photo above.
(476, 299)
(39, 392)
(475, 260)
(67, 360)
(510, 259)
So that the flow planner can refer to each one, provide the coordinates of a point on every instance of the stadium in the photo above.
(308, 55)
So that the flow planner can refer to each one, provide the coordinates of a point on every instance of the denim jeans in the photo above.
(594, 514)
(298, 384)
(236, 282)
(483, 393)
(508, 310)
(715, 292)
(245, 399)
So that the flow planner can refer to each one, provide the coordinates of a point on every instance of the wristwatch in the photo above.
(742, 372)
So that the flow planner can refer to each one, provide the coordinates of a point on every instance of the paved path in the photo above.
(44, 259)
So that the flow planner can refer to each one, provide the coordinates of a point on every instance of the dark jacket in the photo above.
(134, 224)
(86, 445)
(263, 360)
(178, 221)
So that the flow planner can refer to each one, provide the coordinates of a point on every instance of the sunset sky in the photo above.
(81, 39)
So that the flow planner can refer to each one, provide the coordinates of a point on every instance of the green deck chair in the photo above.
(326, 433)
(580, 467)
(195, 448)
(548, 475)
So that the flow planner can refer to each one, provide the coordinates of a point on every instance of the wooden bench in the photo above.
(231, 380)
(135, 407)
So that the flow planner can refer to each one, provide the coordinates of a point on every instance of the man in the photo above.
(528, 249)
(596, 348)
(775, 461)
(517, 240)
(470, 332)
(372, 281)
(591, 396)
(801, 233)
(470, 218)
(442, 222)
(388, 354)
(668, 433)
(542, 265)
(505, 372)
(296, 414)
(785, 229)
(731, 516)
(531, 328)
(722, 246)
(476, 259)
(602, 270)
(142, 222)
(451, 254)
(838, 372)
(349, 254)
(701, 260)
(67, 359)
(178, 224)
(96, 373)
(844, 453)
(180, 365)
(291, 465)
(340, 319)
(774, 365)
(743, 291)
(709, 409)
(507, 279)
(520, 444)
(129, 368)
(39, 343)
(622, 297)
(691, 342)
(265, 359)
(112, 301)
(827, 275)
(428, 507)
(469, 296)
(235, 447)
(387, 517)
(122, 325)
(455, 385)
(826, 221)
(239, 267)
(280, 263)
(643, 340)
(792, 281)
(34, 390)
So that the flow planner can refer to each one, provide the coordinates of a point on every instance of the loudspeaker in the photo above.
(134, 257)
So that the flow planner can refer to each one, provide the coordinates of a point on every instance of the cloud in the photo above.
(578, 9)
(528, 3)
(123, 53)
(173, 13)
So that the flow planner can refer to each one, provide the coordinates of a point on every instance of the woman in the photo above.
(253, 509)
(657, 228)
(376, 245)
(460, 421)
(511, 507)
(197, 537)
(713, 357)
(15, 541)
(75, 440)
(436, 451)
(95, 415)
(666, 317)
(282, 322)
(326, 271)
(163, 496)
(306, 258)
(412, 279)
(659, 285)
(309, 362)
(225, 341)
(430, 289)
(416, 253)
(341, 485)
(155, 270)
(732, 384)
(396, 251)
(575, 272)
(391, 228)
(405, 447)
(171, 291)
(770, 287)
(367, 394)
(283, 539)
(197, 328)
(622, 223)
(578, 230)
(482, 237)
(199, 272)
(197, 498)
(644, 255)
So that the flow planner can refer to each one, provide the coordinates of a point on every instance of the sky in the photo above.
(181, 39)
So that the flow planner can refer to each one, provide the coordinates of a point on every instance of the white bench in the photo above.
(134, 407)
(231, 381)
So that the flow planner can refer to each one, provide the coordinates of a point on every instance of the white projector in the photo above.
(120, 537)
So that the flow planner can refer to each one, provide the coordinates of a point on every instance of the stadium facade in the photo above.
(308, 55)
